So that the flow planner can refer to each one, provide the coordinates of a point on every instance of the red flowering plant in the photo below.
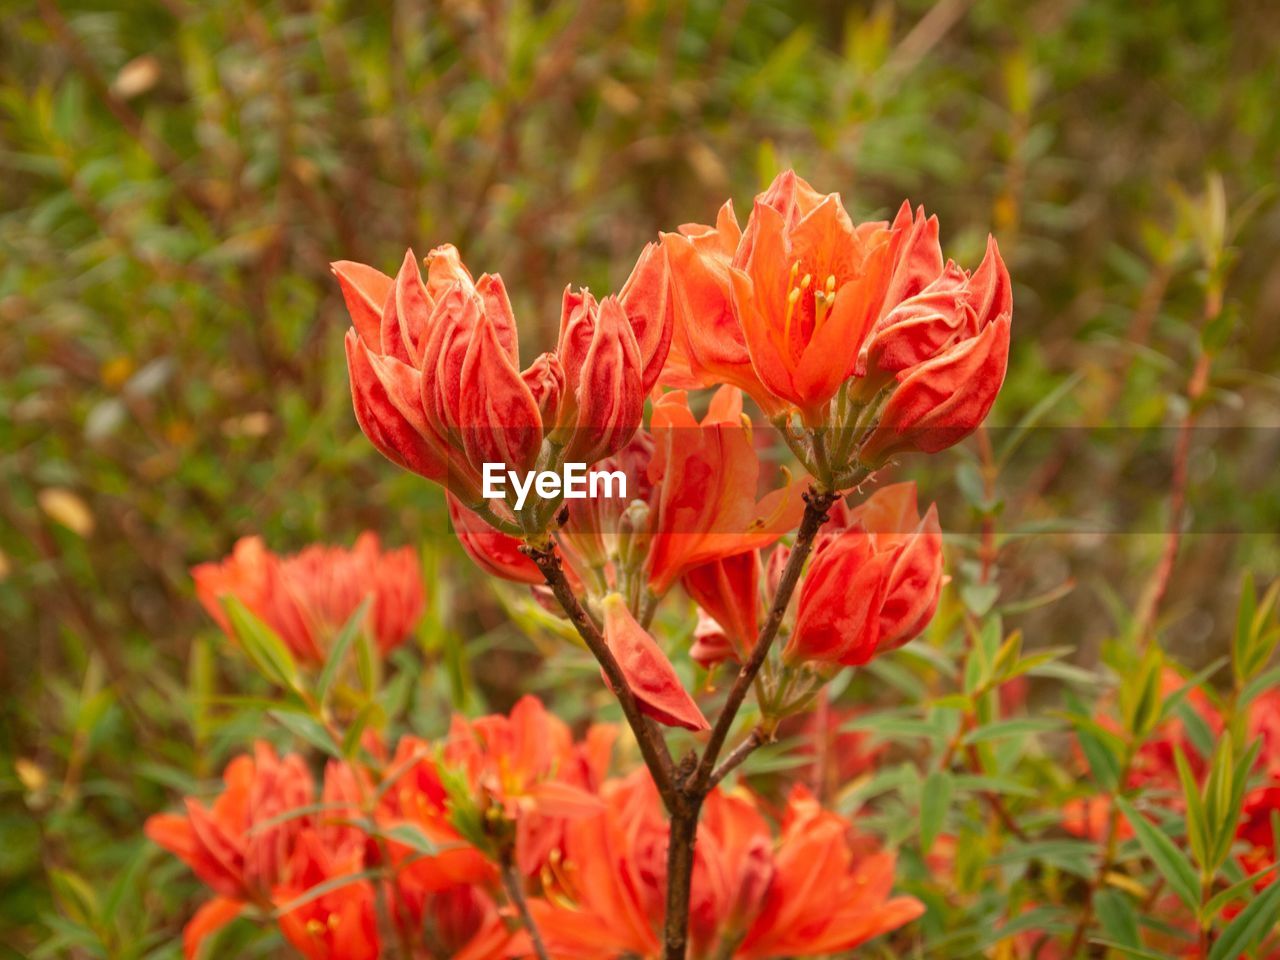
(743, 618)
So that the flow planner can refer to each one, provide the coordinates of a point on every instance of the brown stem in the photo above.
(515, 893)
(1104, 867)
(988, 553)
(815, 515)
(1159, 586)
(680, 855)
(738, 755)
(693, 786)
(653, 748)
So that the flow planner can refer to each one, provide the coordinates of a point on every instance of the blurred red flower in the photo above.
(308, 596)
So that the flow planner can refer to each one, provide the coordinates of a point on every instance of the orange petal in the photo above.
(647, 670)
(208, 920)
(365, 291)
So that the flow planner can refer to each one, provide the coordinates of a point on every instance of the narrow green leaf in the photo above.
(1127, 950)
(1035, 414)
(320, 889)
(351, 739)
(308, 729)
(413, 838)
(261, 644)
(1117, 916)
(1164, 853)
(1258, 917)
(1239, 889)
(341, 644)
(1197, 827)
(1018, 727)
(935, 798)
(1244, 629)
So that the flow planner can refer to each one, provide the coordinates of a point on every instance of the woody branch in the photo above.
(653, 748)
(693, 788)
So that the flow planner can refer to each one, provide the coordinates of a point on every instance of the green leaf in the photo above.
(412, 837)
(1127, 950)
(294, 814)
(1258, 685)
(979, 597)
(1255, 920)
(262, 645)
(320, 889)
(1197, 827)
(1164, 853)
(351, 739)
(935, 798)
(1140, 698)
(1117, 916)
(975, 783)
(1018, 727)
(1101, 748)
(1242, 640)
(341, 644)
(1219, 790)
(308, 729)
(1239, 889)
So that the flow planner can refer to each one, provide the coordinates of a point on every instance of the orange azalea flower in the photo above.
(953, 307)
(705, 474)
(224, 844)
(873, 583)
(341, 923)
(461, 923)
(435, 367)
(308, 596)
(781, 309)
(807, 285)
(708, 347)
(245, 847)
(823, 899)
(527, 767)
(414, 796)
(496, 553)
(728, 591)
(711, 643)
(946, 349)
(753, 896)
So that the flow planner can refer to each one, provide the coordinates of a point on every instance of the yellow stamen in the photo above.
(792, 299)
(823, 300)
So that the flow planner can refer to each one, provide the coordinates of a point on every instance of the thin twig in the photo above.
(1159, 586)
(815, 515)
(511, 884)
(738, 755)
(652, 746)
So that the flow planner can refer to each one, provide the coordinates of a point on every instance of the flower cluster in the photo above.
(307, 597)
(445, 827)
(436, 376)
(509, 836)
(862, 330)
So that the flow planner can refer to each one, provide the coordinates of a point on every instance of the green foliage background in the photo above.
(175, 177)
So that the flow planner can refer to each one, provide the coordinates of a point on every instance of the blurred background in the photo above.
(176, 176)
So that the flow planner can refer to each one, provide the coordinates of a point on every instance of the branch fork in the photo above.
(684, 786)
